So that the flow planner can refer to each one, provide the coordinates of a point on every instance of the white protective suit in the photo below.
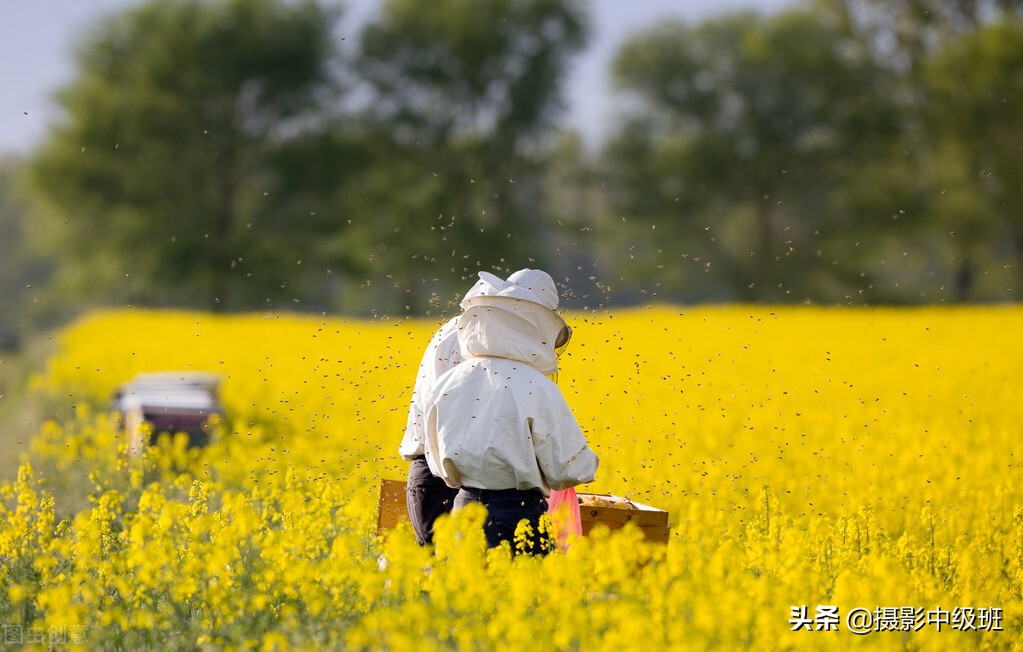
(444, 352)
(496, 421)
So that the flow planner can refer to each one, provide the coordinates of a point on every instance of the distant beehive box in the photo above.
(169, 402)
(594, 509)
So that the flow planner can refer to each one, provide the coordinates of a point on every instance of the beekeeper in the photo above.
(427, 496)
(497, 427)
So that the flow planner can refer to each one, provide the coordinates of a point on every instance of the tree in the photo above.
(12, 259)
(976, 91)
(462, 94)
(165, 181)
(906, 36)
(744, 131)
(902, 34)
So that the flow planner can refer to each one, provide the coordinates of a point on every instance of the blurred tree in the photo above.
(573, 192)
(903, 33)
(168, 180)
(951, 215)
(975, 113)
(22, 270)
(743, 132)
(12, 247)
(462, 94)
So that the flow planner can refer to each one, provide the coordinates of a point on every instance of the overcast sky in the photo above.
(37, 39)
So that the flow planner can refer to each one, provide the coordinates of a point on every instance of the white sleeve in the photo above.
(436, 452)
(564, 457)
(437, 359)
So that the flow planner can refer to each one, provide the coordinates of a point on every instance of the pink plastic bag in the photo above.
(563, 507)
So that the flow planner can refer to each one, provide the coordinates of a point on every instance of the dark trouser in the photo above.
(505, 508)
(427, 498)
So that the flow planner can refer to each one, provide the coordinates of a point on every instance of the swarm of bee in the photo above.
(594, 500)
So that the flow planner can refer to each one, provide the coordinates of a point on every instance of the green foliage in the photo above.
(209, 156)
(456, 68)
(975, 91)
(747, 130)
(463, 93)
(22, 270)
(231, 155)
(163, 180)
(10, 260)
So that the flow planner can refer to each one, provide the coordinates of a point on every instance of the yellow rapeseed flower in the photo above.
(814, 461)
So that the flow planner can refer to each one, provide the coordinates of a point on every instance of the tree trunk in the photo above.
(965, 279)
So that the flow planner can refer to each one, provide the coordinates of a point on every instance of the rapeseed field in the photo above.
(835, 479)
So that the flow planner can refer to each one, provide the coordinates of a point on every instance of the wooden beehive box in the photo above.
(651, 521)
(171, 401)
(391, 506)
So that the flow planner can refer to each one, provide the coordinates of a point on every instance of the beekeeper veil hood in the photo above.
(538, 282)
(513, 320)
